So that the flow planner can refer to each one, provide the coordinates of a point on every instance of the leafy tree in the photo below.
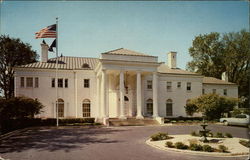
(19, 107)
(213, 105)
(18, 112)
(214, 54)
(13, 52)
(207, 53)
(190, 109)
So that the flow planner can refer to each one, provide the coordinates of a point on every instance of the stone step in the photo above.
(132, 122)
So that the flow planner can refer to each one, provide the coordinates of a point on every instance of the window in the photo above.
(149, 84)
(169, 86)
(86, 108)
(214, 91)
(36, 82)
(203, 91)
(188, 86)
(240, 116)
(178, 84)
(22, 81)
(53, 83)
(169, 107)
(60, 108)
(149, 107)
(60, 83)
(86, 83)
(29, 82)
(225, 92)
(66, 83)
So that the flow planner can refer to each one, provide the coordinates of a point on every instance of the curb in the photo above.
(9, 134)
(197, 153)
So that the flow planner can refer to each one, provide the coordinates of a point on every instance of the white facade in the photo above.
(121, 84)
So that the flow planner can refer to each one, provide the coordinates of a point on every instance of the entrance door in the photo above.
(126, 106)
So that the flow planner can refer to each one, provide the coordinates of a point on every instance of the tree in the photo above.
(207, 53)
(19, 107)
(13, 52)
(190, 108)
(18, 112)
(214, 54)
(213, 105)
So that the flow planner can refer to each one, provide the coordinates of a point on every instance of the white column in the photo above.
(155, 95)
(98, 98)
(138, 96)
(122, 116)
(76, 112)
(103, 94)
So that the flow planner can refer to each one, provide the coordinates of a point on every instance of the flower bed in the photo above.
(191, 144)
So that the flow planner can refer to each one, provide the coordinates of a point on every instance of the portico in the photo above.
(119, 85)
(120, 94)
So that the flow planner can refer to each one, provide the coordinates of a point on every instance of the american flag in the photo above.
(48, 32)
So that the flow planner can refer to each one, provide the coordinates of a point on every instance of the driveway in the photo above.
(112, 143)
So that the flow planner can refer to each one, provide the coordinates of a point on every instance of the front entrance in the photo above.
(126, 106)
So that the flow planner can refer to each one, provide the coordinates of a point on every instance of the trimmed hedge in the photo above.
(183, 119)
(13, 124)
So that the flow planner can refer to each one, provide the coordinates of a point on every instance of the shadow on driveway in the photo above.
(53, 139)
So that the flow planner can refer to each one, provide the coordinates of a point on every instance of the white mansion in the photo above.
(120, 84)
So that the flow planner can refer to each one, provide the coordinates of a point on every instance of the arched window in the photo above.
(169, 107)
(86, 108)
(149, 107)
(60, 108)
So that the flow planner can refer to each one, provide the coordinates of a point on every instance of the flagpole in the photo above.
(56, 82)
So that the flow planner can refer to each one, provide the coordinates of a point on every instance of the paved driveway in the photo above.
(114, 143)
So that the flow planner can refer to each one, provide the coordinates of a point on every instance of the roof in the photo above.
(212, 80)
(65, 62)
(123, 51)
(163, 68)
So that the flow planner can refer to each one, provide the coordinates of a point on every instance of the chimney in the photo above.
(172, 59)
(44, 54)
(224, 76)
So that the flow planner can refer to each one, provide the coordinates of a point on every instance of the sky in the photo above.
(86, 28)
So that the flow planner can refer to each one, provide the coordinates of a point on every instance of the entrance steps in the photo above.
(132, 122)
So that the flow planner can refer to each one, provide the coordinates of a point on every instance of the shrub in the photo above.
(219, 135)
(228, 135)
(195, 147)
(223, 148)
(194, 134)
(189, 121)
(169, 144)
(180, 145)
(159, 136)
(181, 121)
(245, 143)
(207, 148)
